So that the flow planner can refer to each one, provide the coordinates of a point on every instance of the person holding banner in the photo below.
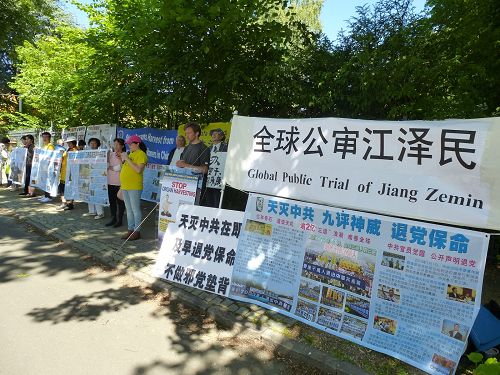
(47, 145)
(29, 144)
(116, 205)
(66, 204)
(131, 179)
(96, 210)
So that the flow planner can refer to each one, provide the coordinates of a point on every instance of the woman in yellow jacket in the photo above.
(131, 180)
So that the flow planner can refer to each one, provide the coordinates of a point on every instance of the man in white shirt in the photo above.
(175, 154)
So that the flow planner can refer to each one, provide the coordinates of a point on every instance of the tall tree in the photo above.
(20, 20)
(50, 77)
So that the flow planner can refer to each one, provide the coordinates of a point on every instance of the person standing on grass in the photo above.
(66, 204)
(116, 205)
(96, 210)
(29, 143)
(47, 145)
(131, 180)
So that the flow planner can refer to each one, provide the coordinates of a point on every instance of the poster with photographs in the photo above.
(178, 186)
(87, 176)
(153, 173)
(18, 165)
(105, 133)
(45, 170)
(77, 132)
(405, 288)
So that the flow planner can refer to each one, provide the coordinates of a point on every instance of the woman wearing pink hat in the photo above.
(131, 184)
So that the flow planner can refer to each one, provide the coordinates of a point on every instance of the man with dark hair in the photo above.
(456, 334)
(29, 144)
(196, 155)
(47, 145)
(81, 145)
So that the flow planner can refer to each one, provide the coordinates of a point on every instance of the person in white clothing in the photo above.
(96, 210)
(175, 154)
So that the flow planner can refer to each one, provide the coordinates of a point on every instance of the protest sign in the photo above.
(178, 186)
(153, 174)
(105, 133)
(158, 142)
(77, 132)
(18, 165)
(86, 176)
(216, 169)
(408, 289)
(45, 170)
(16, 135)
(444, 171)
(199, 248)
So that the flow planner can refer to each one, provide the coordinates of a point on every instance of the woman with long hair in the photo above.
(131, 179)
(116, 205)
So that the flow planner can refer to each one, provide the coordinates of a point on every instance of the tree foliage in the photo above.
(157, 63)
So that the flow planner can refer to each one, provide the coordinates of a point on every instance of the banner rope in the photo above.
(137, 228)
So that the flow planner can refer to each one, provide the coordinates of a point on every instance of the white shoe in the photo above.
(97, 217)
(88, 214)
(41, 198)
(45, 200)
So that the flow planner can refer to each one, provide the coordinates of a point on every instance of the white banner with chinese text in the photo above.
(200, 248)
(216, 169)
(444, 171)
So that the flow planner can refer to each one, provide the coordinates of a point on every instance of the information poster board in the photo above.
(18, 165)
(45, 170)
(87, 176)
(105, 133)
(407, 289)
(199, 249)
(77, 132)
(153, 173)
(178, 186)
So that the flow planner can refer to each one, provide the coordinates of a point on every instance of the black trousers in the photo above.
(211, 198)
(27, 178)
(116, 205)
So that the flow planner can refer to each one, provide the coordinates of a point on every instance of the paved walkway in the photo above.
(63, 314)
